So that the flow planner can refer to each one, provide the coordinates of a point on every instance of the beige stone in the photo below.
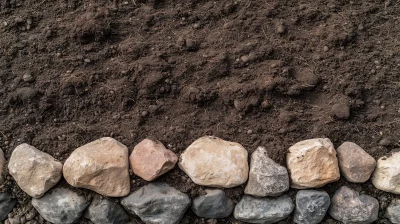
(211, 161)
(34, 171)
(312, 163)
(2, 162)
(386, 176)
(101, 166)
(354, 163)
(150, 159)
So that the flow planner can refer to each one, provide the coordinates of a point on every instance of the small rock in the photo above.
(2, 163)
(312, 163)
(266, 178)
(27, 77)
(157, 203)
(60, 206)
(211, 161)
(348, 206)
(263, 210)
(393, 211)
(101, 166)
(280, 28)
(385, 142)
(356, 164)
(34, 171)
(311, 206)
(341, 110)
(150, 159)
(386, 176)
(307, 77)
(215, 204)
(6, 205)
(104, 211)
(24, 94)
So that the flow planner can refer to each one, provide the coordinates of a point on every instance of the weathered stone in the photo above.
(349, 207)
(311, 206)
(211, 161)
(312, 163)
(2, 162)
(356, 164)
(386, 176)
(214, 205)
(263, 210)
(101, 166)
(61, 206)
(150, 159)
(393, 211)
(34, 171)
(157, 203)
(6, 205)
(266, 177)
(104, 211)
(341, 111)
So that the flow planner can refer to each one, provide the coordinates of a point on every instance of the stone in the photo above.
(34, 171)
(105, 211)
(150, 159)
(386, 176)
(393, 211)
(341, 111)
(101, 166)
(263, 210)
(61, 206)
(214, 205)
(211, 161)
(312, 163)
(311, 206)
(266, 177)
(157, 203)
(6, 205)
(355, 164)
(348, 206)
(2, 163)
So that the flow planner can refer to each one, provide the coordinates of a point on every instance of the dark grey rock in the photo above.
(157, 203)
(263, 210)
(215, 204)
(393, 211)
(104, 211)
(311, 206)
(6, 205)
(60, 206)
(348, 206)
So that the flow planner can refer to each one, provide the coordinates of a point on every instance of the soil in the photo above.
(268, 73)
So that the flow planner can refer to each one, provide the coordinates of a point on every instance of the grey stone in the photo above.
(2, 162)
(104, 211)
(157, 203)
(348, 206)
(393, 211)
(215, 204)
(263, 210)
(311, 206)
(266, 177)
(61, 206)
(6, 205)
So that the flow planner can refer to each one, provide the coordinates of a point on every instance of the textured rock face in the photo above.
(312, 163)
(393, 211)
(263, 210)
(6, 205)
(157, 203)
(2, 162)
(60, 206)
(150, 159)
(215, 204)
(386, 176)
(104, 211)
(101, 166)
(34, 171)
(350, 207)
(311, 206)
(211, 161)
(266, 178)
(356, 164)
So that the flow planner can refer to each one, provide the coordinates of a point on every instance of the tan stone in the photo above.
(2, 162)
(386, 176)
(312, 163)
(355, 164)
(150, 159)
(34, 171)
(211, 161)
(101, 166)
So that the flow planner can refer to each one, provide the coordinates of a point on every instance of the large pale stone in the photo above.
(312, 163)
(150, 159)
(34, 171)
(211, 161)
(386, 176)
(2, 162)
(101, 166)
(355, 164)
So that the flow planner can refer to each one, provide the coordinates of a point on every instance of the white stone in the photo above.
(386, 176)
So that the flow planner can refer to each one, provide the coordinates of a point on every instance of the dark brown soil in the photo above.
(255, 72)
